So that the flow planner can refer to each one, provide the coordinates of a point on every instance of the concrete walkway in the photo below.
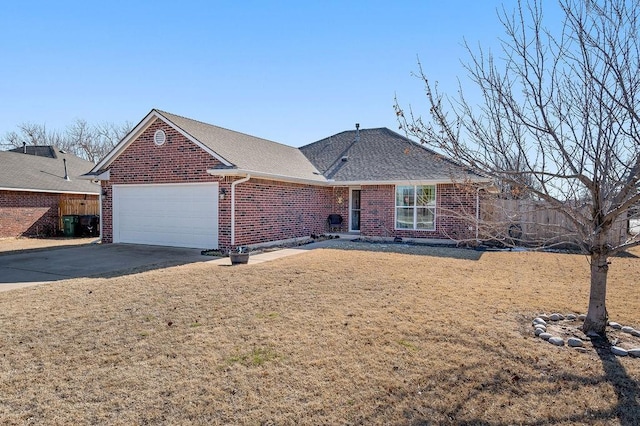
(260, 257)
(268, 256)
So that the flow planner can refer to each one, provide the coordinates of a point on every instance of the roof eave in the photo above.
(104, 175)
(51, 191)
(267, 176)
(328, 182)
(408, 182)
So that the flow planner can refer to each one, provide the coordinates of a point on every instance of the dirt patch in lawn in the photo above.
(325, 337)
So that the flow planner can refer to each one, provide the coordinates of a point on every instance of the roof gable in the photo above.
(380, 155)
(233, 149)
(137, 131)
(44, 173)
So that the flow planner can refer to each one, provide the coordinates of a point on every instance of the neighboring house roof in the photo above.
(42, 170)
(39, 150)
(380, 155)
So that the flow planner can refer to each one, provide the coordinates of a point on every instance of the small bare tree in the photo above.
(32, 134)
(91, 142)
(565, 105)
(83, 139)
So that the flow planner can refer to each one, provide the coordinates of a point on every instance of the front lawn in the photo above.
(325, 337)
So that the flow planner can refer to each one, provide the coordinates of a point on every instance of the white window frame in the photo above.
(414, 207)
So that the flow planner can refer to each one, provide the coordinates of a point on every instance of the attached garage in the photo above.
(178, 215)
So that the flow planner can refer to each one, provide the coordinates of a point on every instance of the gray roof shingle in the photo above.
(28, 172)
(380, 155)
(248, 152)
(377, 155)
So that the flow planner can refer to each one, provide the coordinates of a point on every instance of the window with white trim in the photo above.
(416, 207)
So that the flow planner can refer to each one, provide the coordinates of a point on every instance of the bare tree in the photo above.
(91, 142)
(565, 104)
(108, 135)
(32, 134)
(83, 139)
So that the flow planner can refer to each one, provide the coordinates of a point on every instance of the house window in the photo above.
(416, 207)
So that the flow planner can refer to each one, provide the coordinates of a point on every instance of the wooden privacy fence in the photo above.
(534, 223)
(77, 206)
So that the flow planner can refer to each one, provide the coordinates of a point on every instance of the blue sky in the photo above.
(292, 72)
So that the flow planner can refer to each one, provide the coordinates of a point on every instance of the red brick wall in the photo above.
(455, 211)
(377, 211)
(32, 214)
(271, 211)
(340, 205)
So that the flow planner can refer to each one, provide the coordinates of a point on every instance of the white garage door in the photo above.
(178, 215)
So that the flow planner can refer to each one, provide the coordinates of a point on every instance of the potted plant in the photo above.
(239, 256)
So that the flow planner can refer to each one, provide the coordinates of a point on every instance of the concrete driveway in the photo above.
(29, 267)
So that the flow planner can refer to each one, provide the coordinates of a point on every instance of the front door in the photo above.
(354, 210)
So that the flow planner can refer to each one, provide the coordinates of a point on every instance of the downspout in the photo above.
(233, 207)
(477, 214)
(100, 209)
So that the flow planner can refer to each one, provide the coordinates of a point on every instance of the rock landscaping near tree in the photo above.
(559, 329)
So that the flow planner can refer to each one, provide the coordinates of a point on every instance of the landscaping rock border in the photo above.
(550, 327)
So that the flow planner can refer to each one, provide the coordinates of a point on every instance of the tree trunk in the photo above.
(596, 321)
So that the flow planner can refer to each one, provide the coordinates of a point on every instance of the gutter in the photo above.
(400, 182)
(267, 176)
(331, 182)
(48, 191)
(233, 207)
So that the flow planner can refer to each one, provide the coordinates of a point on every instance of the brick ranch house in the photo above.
(33, 183)
(179, 182)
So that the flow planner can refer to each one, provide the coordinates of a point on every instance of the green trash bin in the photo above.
(70, 225)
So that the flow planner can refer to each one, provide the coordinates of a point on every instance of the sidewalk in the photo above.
(286, 252)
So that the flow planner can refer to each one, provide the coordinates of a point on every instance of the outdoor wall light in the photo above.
(223, 193)
(105, 192)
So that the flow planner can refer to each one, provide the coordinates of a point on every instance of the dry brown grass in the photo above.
(326, 337)
(15, 244)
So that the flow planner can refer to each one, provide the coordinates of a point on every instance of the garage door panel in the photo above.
(182, 215)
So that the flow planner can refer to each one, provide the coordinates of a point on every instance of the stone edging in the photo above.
(542, 322)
